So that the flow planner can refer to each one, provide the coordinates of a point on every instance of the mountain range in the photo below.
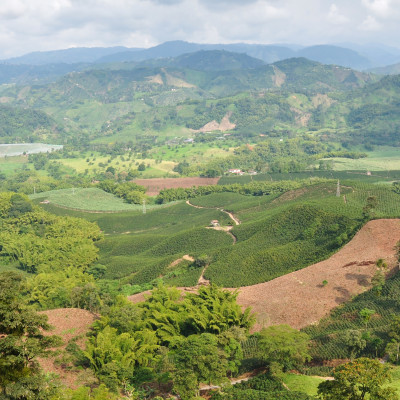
(348, 55)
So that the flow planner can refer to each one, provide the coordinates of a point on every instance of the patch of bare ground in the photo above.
(156, 184)
(279, 77)
(231, 216)
(301, 118)
(300, 299)
(179, 260)
(175, 81)
(224, 125)
(290, 195)
(69, 324)
(322, 100)
(155, 79)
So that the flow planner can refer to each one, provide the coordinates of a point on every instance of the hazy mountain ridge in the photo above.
(393, 69)
(353, 56)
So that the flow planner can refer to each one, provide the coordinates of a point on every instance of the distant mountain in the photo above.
(36, 74)
(357, 57)
(379, 55)
(393, 69)
(303, 73)
(210, 60)
(67, 56)
(267, 53)
(327, 54)
(167, 84)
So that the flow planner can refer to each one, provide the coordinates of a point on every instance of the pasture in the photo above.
(86, 199)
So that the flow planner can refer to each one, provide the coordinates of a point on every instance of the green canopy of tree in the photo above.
(360, 379)
(22, 341)
(284, 346)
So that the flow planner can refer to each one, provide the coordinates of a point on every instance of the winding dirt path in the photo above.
(231, 216)
(226, 229)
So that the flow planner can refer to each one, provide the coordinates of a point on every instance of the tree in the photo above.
(22, 341)
(214, 310)
(393, 348)
(358, 380)
(112, 356)
(365, 315)
(284, 345)
(354, 341)
(377, 281)
(370, 207)
(198, 359)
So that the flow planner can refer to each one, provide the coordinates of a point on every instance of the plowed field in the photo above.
(156, 184)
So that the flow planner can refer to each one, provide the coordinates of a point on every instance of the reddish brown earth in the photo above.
(156, 184)
(300, 299)
(68, 323)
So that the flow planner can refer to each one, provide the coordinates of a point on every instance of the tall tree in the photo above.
(360, 379)
(198, 359)
(22, 340)
(284, 345)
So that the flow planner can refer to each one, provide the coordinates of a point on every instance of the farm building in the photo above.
(235, 171)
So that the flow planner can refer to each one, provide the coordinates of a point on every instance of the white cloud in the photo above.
(335, 16)
(370, 24)
(379, 7)
(30, 25)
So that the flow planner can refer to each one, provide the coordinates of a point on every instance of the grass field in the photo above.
(97, 163)
(10, 165)
(88, 199)
(302, 383)
(382, 159)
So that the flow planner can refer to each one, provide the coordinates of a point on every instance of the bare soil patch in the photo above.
(300, 299)
(70, 324)
(290, 195)
(156, 184)
(179, 260)
(279, 77)
(224, 125)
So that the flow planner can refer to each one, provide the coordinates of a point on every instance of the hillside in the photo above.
(301, 299)
(393, 69)
(211, 60)
(20, 124)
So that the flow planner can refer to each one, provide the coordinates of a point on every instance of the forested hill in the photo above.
(26, 125)
(114, 85)
(286, 96)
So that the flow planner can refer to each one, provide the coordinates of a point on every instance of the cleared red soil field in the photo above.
(300, 299)
(154, 185)
(68, 323)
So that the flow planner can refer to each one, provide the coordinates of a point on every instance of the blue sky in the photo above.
(32, 25)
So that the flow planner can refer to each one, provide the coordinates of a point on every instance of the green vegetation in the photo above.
(305, 134)
(86, 199)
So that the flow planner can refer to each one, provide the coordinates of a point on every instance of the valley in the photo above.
(200, 217)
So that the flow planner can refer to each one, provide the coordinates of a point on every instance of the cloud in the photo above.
(370, 24)
(30, 25)
(378, 7)
(335, 16)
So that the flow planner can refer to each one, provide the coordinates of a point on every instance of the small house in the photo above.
(214, 223)
(236, 171)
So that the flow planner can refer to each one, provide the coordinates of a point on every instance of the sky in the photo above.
(41, 25)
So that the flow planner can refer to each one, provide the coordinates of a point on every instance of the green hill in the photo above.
(26, 124)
